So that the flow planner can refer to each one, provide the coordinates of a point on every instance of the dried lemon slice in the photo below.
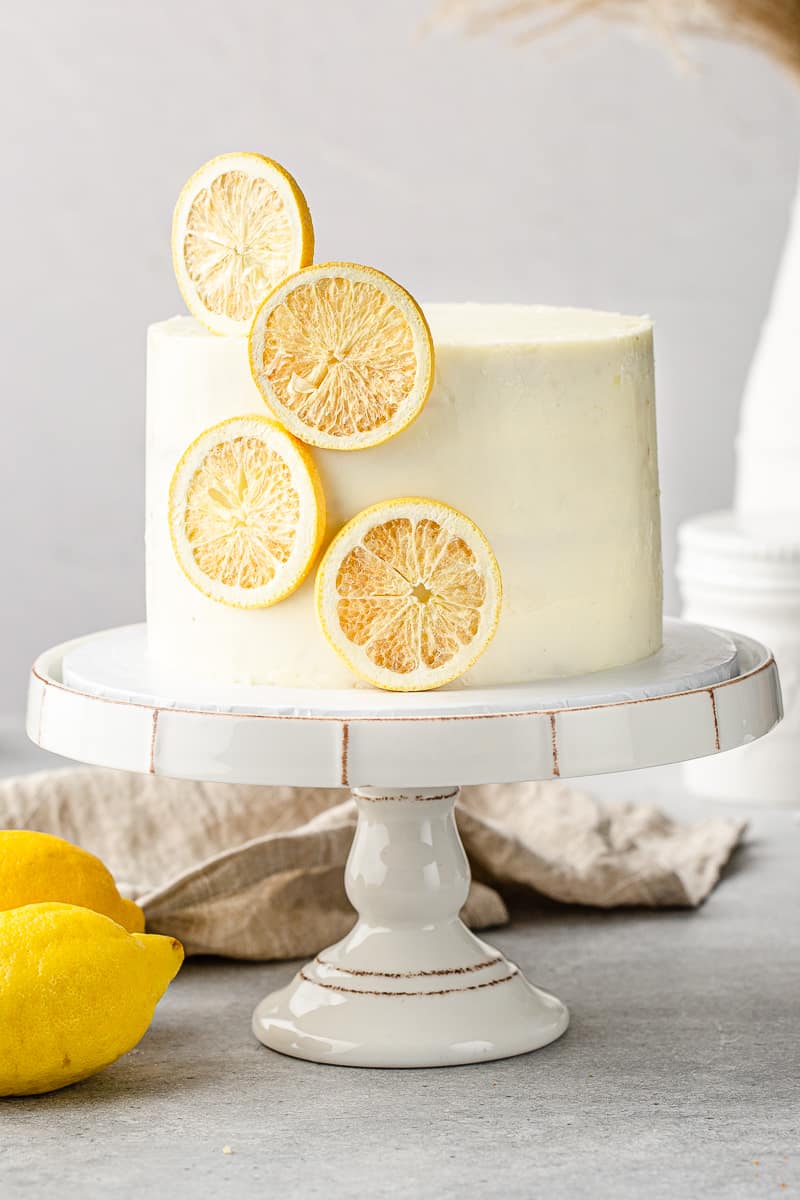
(246, 512)
(241, 225)
(409, 593)
(342, 355)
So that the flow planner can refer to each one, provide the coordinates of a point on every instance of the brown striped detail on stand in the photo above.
(344, 765)
(153, 733)
(554, 744)
(406, 799)
(481, 966)
(716, 721)
(471, 987)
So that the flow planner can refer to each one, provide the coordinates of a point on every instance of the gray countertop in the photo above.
(679, 1076)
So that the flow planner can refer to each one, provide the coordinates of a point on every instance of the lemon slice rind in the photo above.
(453, 525)
(310, 500)
(296, 225)
(266, 348)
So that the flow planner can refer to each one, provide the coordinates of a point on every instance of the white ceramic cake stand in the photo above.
(410, 986)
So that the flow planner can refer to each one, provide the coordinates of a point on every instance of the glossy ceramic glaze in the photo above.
(99, 701)
(410, 986)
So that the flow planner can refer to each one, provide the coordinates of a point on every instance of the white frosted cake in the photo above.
(540, 426)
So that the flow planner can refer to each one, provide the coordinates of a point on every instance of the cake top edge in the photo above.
(526, 324)
(485, 325)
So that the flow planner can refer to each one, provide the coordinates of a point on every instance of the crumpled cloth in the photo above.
(257, 872)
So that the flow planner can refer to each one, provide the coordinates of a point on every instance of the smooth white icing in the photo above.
(540, 426)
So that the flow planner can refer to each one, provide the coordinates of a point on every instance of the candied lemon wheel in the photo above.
(342, 356)
(246, 512)
(409, 594)
(241, 225)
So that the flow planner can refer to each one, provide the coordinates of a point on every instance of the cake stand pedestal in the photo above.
(410, 986)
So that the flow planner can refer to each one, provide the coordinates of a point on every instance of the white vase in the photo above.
(741, 569)
(768, 445)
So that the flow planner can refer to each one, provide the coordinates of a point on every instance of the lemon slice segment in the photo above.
(409, 594)
(342, 356)
(241, 225)
(246, 512)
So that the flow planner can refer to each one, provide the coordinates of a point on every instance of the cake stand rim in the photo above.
(412, 750)
(390, 700)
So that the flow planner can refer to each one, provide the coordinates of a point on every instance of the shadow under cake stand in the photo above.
(410, 986)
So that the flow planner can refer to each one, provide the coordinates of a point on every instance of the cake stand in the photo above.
(410, 986)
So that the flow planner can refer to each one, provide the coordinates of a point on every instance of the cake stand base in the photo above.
(410, 986)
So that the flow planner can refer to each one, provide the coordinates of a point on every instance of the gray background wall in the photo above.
(588, 170)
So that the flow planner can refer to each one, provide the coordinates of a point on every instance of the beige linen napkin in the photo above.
(256, 872)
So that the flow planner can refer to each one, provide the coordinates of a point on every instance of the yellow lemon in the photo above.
(409, 594)
(241, 225)
(76, 993)
(342, 356)
(35, 867)
(247, 512)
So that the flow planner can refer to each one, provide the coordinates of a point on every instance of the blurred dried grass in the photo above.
(772, 26)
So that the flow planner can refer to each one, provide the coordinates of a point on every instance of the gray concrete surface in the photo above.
(677, 1079)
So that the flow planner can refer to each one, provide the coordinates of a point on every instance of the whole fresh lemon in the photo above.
(35, 867)
(76, 993)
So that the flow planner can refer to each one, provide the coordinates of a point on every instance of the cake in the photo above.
(540, 426)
